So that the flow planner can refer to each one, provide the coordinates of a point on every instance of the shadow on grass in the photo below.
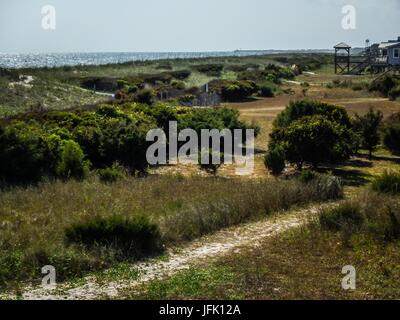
(351, 176)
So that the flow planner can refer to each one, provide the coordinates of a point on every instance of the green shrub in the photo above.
(233, 90)
(275, 160)
(391, 133)
(369, 216)
(326, 186)
(145, 96)
(367, 127)
(24, 154)
(394, 93)
(72, 163)
(385, 84)
(296, 110)
(345, 217)
(307, 175)
(266, 91)
(211, 70)
(134, 238)
(314, 140)
(388, 182)
(111, 174)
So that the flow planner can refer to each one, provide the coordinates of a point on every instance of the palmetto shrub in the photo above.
(134, 237)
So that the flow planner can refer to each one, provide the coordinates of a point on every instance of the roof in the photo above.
(385, 45)
(342, 45)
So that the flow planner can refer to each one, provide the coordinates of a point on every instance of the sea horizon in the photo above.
(71, 59)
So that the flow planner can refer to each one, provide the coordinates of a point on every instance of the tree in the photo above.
(391, 133)
(367, 127)
(313, 139)
(275, 160)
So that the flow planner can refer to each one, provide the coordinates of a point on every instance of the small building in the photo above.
(389, 52)
(379, 57)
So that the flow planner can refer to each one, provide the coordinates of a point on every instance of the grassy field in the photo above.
(187, 203)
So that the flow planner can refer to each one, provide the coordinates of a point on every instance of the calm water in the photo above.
(74, 59)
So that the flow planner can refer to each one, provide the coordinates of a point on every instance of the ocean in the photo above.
(50, 60)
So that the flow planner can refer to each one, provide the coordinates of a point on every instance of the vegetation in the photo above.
(391, 133)
(388, 182)
(101, 234)
(132, 238)
(367, 127)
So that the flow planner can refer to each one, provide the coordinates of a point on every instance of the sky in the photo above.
(192, 25)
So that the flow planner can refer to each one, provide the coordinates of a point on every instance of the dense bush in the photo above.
(388, 182)
(134, 238)
(111, 174)
(298, 109)
(385, 84)
(367, 127)
(211, 70)
(369, 216)
(71, 163)
(275, 160)
(391, 133)
(346, 216)
(266, 91)
(24, 154)
(313, 140)
(51, 143)
(233, 90)
(145, 96)
(394, 93)
(101, 84)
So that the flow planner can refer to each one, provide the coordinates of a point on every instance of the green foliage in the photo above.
(344, 217)
(23, 153)
(391, 133)
(211, 70)
(313, 140)
(385, 84)
(266, 91)
(134, 238)
(394, 93)
(371, 216)
(297, 110)
(275, 160)
(233, 90)
(367, 127)
(307, 175)
(72, 163)
(111, 174)
(144, 96)
(388, 182)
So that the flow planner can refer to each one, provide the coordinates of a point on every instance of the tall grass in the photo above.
(370, 216)
(34, 222)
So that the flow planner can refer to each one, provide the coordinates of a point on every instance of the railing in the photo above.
(382, 60)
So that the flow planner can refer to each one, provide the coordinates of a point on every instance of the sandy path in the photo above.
(218, 244)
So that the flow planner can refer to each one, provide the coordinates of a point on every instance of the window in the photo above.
(396, 53)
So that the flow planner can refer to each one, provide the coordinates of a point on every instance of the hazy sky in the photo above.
(192, 25)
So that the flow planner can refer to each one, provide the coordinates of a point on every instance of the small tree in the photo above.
(275, 160)
(313, 140)
(367, 127)
(72, 163)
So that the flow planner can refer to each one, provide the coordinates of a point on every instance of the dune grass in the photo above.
(34, 220)
(304, 263)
